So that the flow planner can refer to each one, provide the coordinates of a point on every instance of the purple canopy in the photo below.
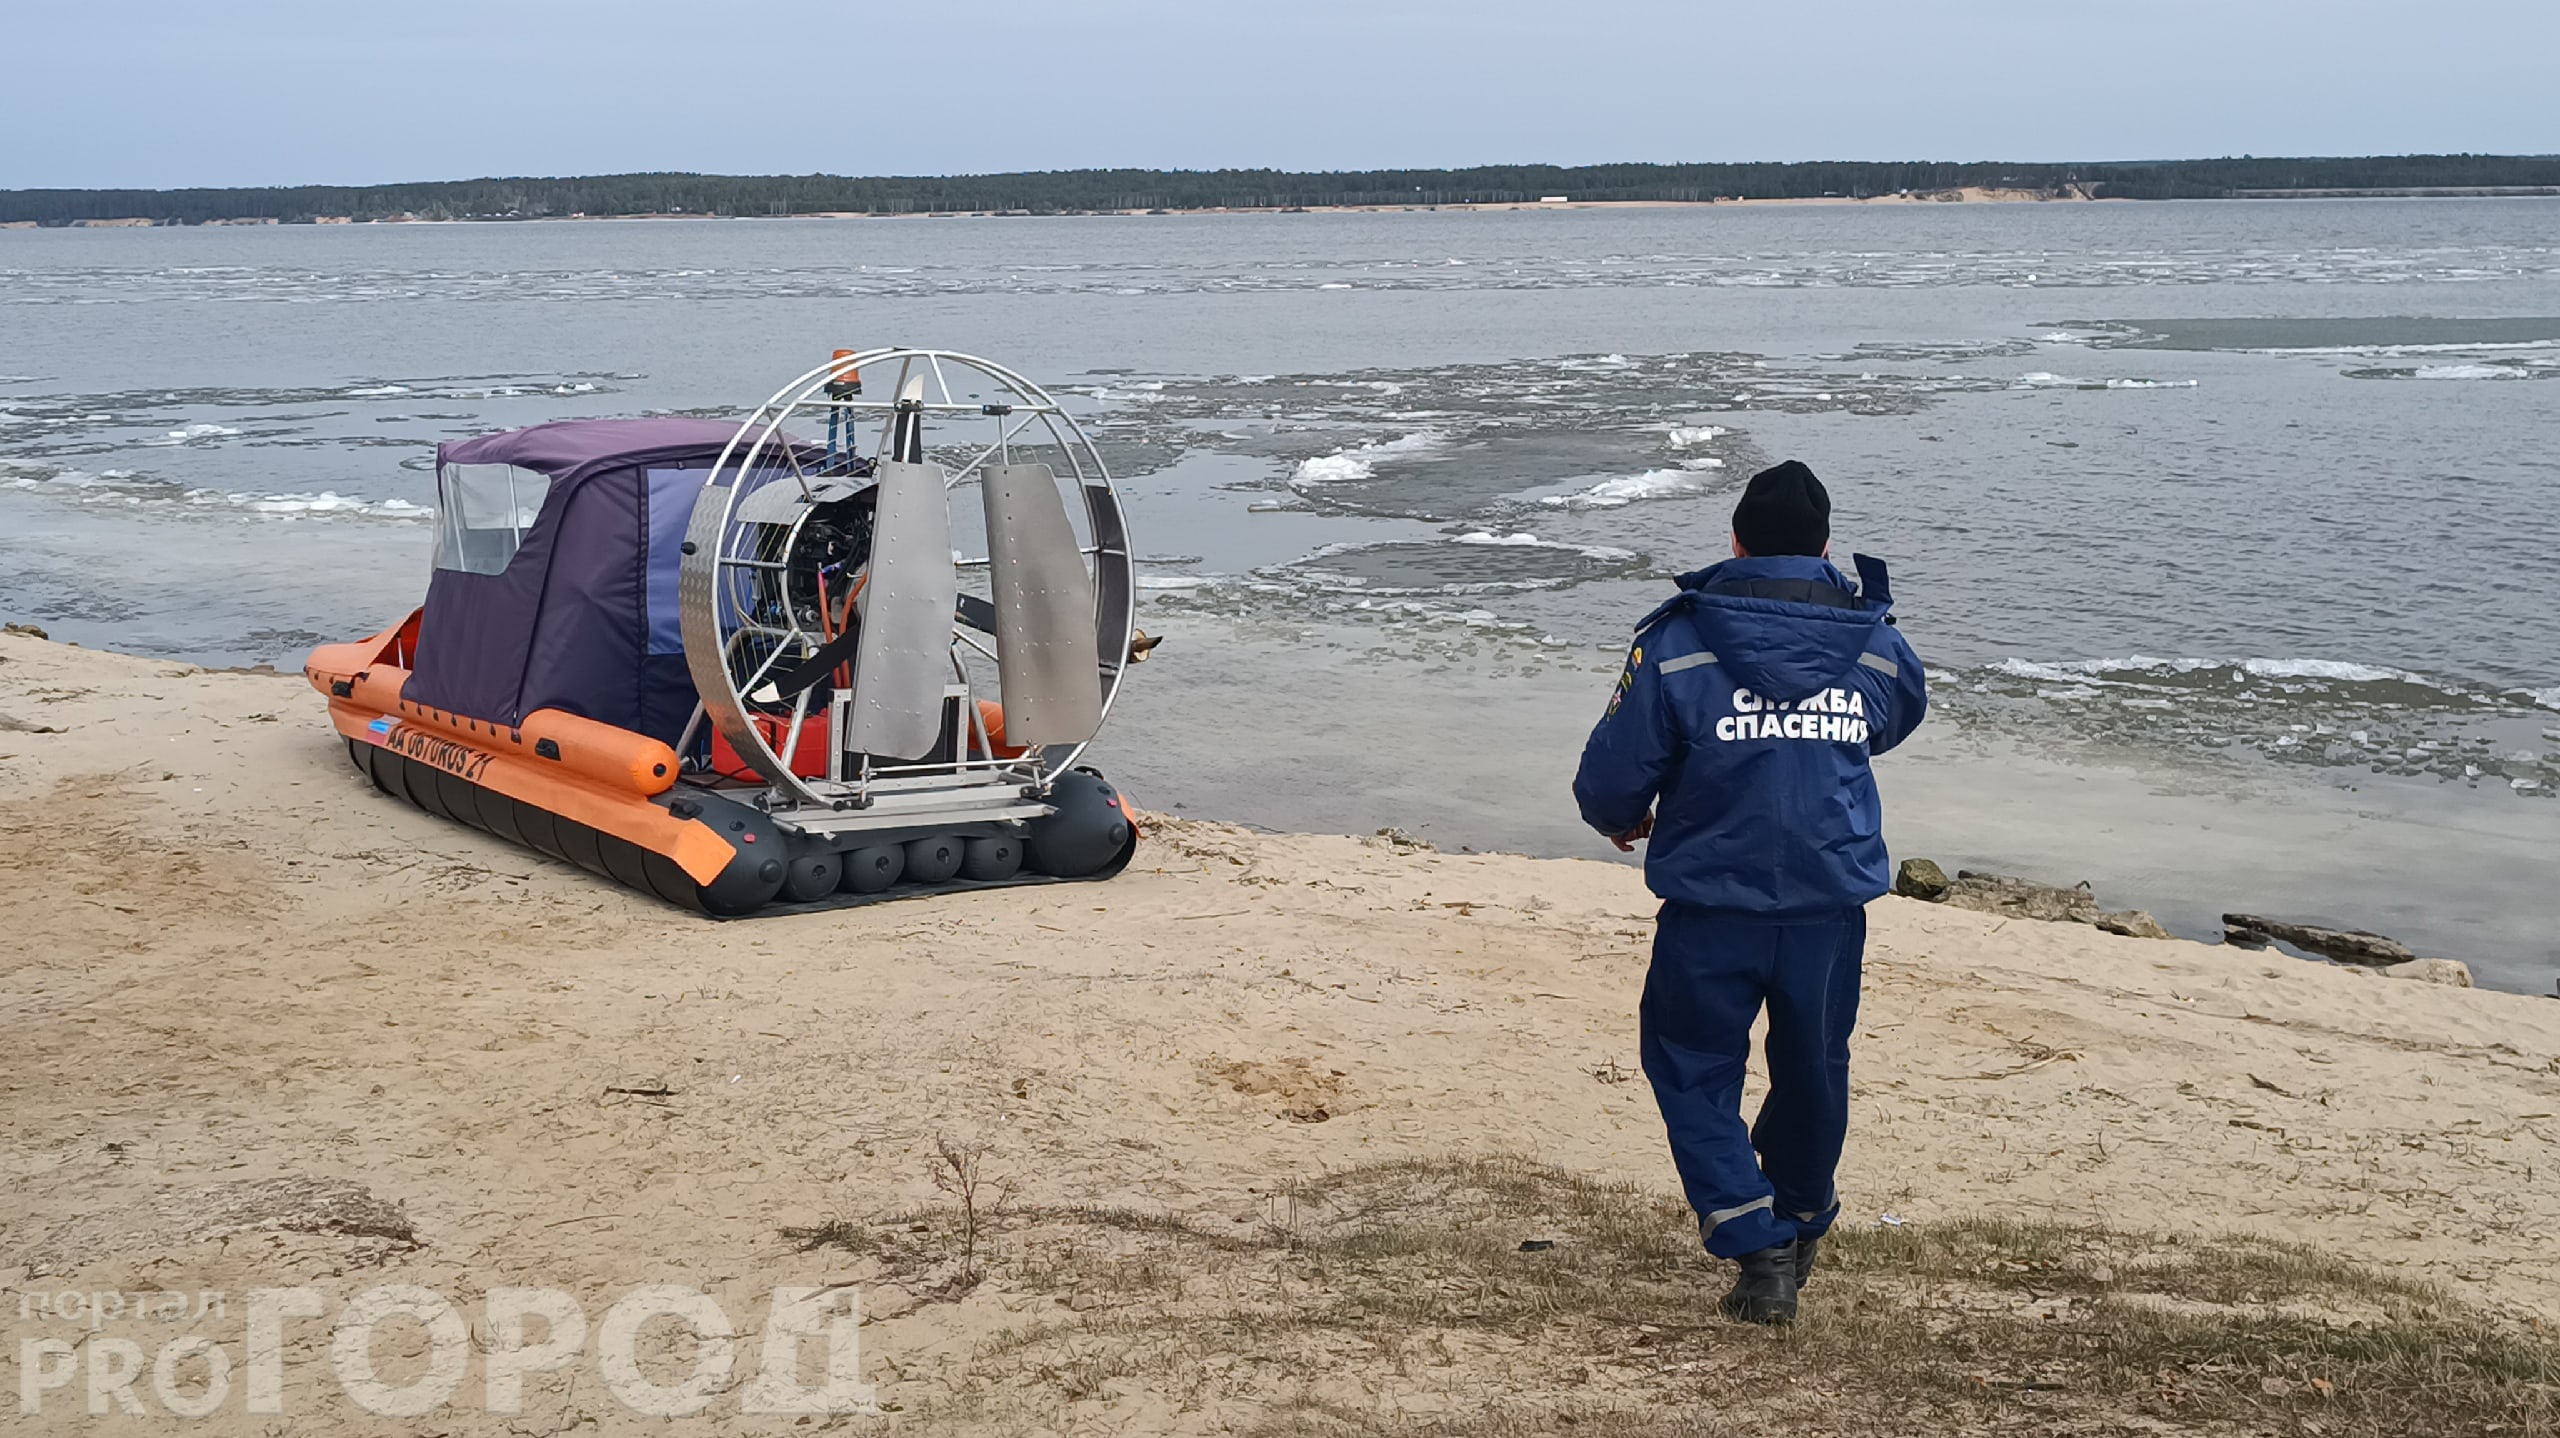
(583, 617)
(563, 447)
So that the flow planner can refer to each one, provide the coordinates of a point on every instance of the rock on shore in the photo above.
(2453, 972)
(2016, 898)
(2347, 946)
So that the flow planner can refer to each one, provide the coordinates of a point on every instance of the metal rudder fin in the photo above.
(1045, 650)
(905, 658)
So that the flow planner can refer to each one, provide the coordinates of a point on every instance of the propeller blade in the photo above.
(904, 644)
(1046, 657)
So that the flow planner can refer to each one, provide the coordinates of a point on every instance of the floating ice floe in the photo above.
(2045, 379)
(1359, 462)
(2398, 351)
(20, 475)
(192, 434)
(124, 487)
(1531, 541)
(325, 503)
(1690, 436)
(1628, 489)
(2336, 670)
(2339, 669)
(1140, 391)
(2470, 371)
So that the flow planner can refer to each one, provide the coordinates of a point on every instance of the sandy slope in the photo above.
(231, 959)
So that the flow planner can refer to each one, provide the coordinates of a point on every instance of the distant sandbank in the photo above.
(1967, 194)
(1971, 194)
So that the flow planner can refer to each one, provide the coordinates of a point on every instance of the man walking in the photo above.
(1737, 739)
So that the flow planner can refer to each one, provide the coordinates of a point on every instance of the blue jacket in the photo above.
(1749, 722)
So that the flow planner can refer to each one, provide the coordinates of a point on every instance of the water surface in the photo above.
(2243, 505)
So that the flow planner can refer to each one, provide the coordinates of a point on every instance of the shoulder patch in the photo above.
(1626, 677)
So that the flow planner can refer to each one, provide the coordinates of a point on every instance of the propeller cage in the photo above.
(840, 639)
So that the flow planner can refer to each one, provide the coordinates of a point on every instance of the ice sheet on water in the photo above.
(2512, 369)
(1629, 489)
(325, 503)
(1361, 461)
(2471, 371)
(2404, 351)
(1531, 541)
(2331, 713)
(193, 434)
(2339, 670)
(1331, 469)
(124, 489)
(1130, 392)
(966, 270)
(22, 474)
(2045, 379)
(1475, 562)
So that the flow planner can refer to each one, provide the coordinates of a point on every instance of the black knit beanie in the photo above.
(1784, 510)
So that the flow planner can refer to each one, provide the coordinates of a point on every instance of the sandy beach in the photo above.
(235, 963)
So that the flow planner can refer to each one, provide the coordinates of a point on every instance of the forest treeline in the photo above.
(1071, 191)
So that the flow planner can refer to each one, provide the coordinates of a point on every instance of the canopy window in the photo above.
(482, 513)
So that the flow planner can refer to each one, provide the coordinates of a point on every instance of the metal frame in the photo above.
(706, 593)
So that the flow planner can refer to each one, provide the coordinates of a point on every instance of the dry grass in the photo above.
(1397, 1299)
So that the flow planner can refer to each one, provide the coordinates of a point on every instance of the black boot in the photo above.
(1805, 1250)
(1766, 1291)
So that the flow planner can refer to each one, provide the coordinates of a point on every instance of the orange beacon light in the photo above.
(846, 381)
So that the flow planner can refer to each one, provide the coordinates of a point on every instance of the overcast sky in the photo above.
(151, 93)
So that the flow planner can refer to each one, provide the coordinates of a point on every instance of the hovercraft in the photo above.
(747, 671)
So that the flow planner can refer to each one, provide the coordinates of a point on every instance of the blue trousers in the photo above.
(1712, 971)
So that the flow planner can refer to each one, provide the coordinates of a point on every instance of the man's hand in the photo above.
(1626, 842)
